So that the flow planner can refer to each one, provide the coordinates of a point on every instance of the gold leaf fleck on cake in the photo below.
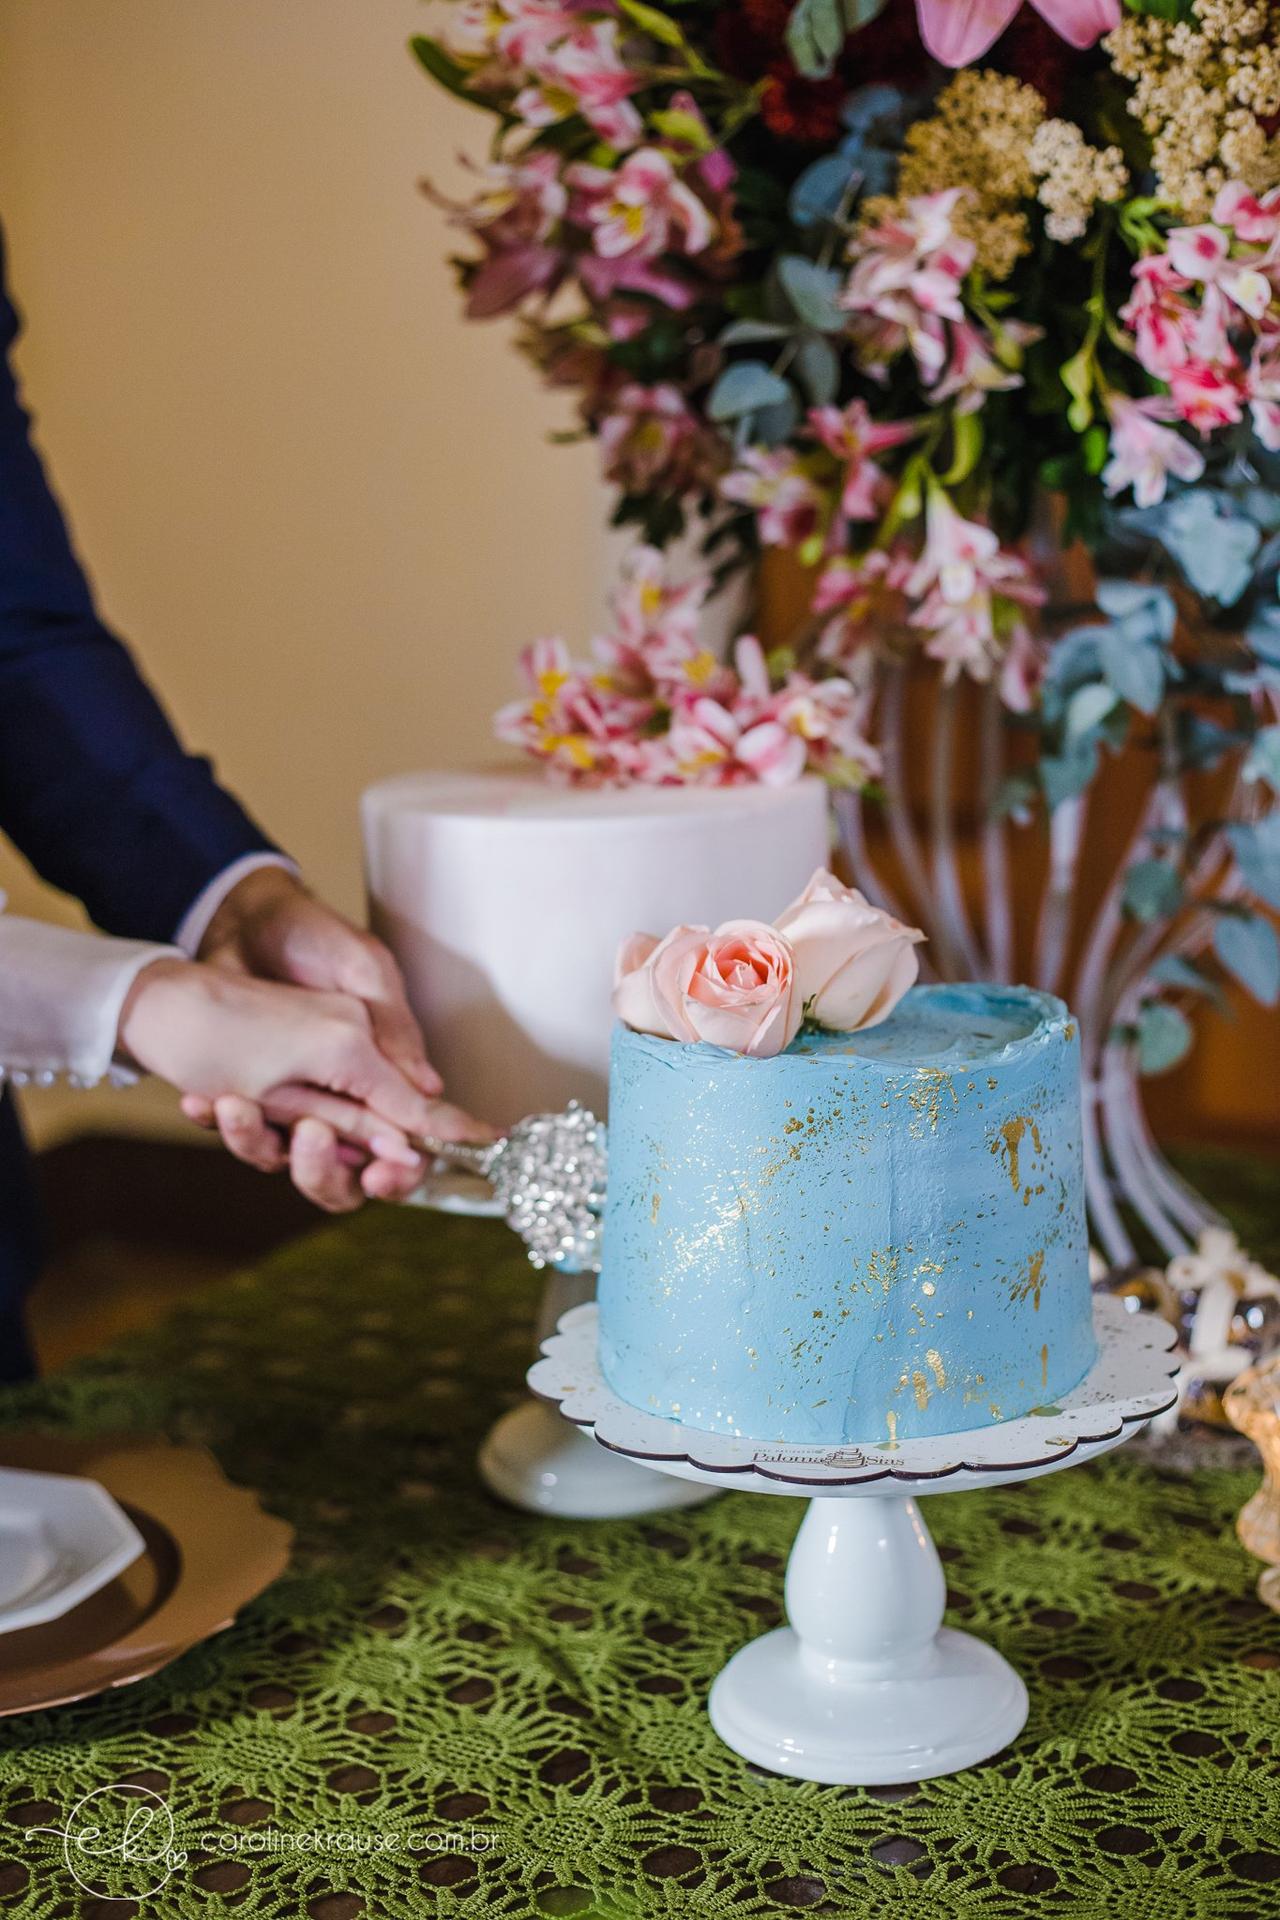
(884, 1266)
(927, 1287)
(794, 1125)
(891, 1422)
(932, 1086)
(1009, 1142)
(1044, 1366)
(921, 1386)
(654, 1209)
(933, 1360)
(1032, 1282)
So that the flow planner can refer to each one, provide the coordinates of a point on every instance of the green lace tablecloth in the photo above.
(475, 1712)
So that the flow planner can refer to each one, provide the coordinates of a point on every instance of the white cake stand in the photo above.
(866, 1686)
(530, 1457)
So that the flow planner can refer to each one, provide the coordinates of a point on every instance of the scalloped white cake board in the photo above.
(865, 1686)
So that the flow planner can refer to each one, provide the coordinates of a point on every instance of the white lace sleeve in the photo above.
(60, 998)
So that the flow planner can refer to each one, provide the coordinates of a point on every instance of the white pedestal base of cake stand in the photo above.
(865, 1686)
(530, 1457)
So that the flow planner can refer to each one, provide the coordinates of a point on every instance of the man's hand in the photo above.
(261, 1057)
(271, 928)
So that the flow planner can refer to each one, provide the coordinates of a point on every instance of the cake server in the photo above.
(548, 1177)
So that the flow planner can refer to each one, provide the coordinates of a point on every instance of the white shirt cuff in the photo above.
(61, 993)
(195, 921)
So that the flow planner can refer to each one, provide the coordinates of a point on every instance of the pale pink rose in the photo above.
(853, 962)
(733, 988)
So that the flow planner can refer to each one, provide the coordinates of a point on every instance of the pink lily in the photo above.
(960, 31)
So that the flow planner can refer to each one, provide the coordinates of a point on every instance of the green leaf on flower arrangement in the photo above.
(1164, 1037)
(815, 35)
(1094, 448)
(1175, 970)
(817, 30)
(966, 448)
(1152, 890)
(1263, 762)
(817, 367)
(1134, 668)
(1173, 10)
(1248, 947)
(821, 190)
(774, 424)
(651, 20)
(744, 388)
(453, 78)
(1257, 850)
(1087, 708)
(674, 123)
(1214, 549)
(1065, 775)
(1077, 377)
(1143, 611)
(752, 333)
(813, 291)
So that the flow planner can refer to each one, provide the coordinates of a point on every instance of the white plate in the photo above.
(61, 1539)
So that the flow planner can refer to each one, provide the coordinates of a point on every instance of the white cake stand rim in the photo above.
(573, 1350)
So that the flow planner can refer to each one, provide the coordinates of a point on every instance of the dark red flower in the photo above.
(1031, 51)
(806, 111)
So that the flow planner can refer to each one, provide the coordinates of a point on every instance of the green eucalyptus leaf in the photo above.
(1066, 775)
(817, 30)
(1175, 970)
(1087, 708)
(1249, 948)
(749, 333)
(813, 291)
(1164, 1037)
(1135, 669)
(1152, 890)
(1257, 850)
(1263, 762)
(817, 367)
(746, 387)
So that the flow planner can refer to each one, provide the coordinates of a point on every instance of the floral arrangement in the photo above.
(830, 958)
(916, 291)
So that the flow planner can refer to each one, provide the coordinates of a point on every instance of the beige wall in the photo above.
(322, 509)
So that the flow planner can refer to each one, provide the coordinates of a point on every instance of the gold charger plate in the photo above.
(210, 1549)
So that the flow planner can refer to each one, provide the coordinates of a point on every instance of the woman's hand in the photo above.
(255, 1056)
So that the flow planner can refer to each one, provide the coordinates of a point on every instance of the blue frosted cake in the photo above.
(870, 1237)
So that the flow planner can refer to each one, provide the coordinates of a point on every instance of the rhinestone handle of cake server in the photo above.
(548, 1177)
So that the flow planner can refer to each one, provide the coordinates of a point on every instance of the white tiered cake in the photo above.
(505, 898)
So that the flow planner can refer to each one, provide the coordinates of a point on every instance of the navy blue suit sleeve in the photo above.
(95, 788)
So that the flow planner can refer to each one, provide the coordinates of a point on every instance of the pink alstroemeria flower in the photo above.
(906, 283)
(1207, 397)
(966, 584)
(640, 209)
(960, 31)
(1144, 453)
(787, 504)
(855, 438)
(1264, 400)
(583, 73)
